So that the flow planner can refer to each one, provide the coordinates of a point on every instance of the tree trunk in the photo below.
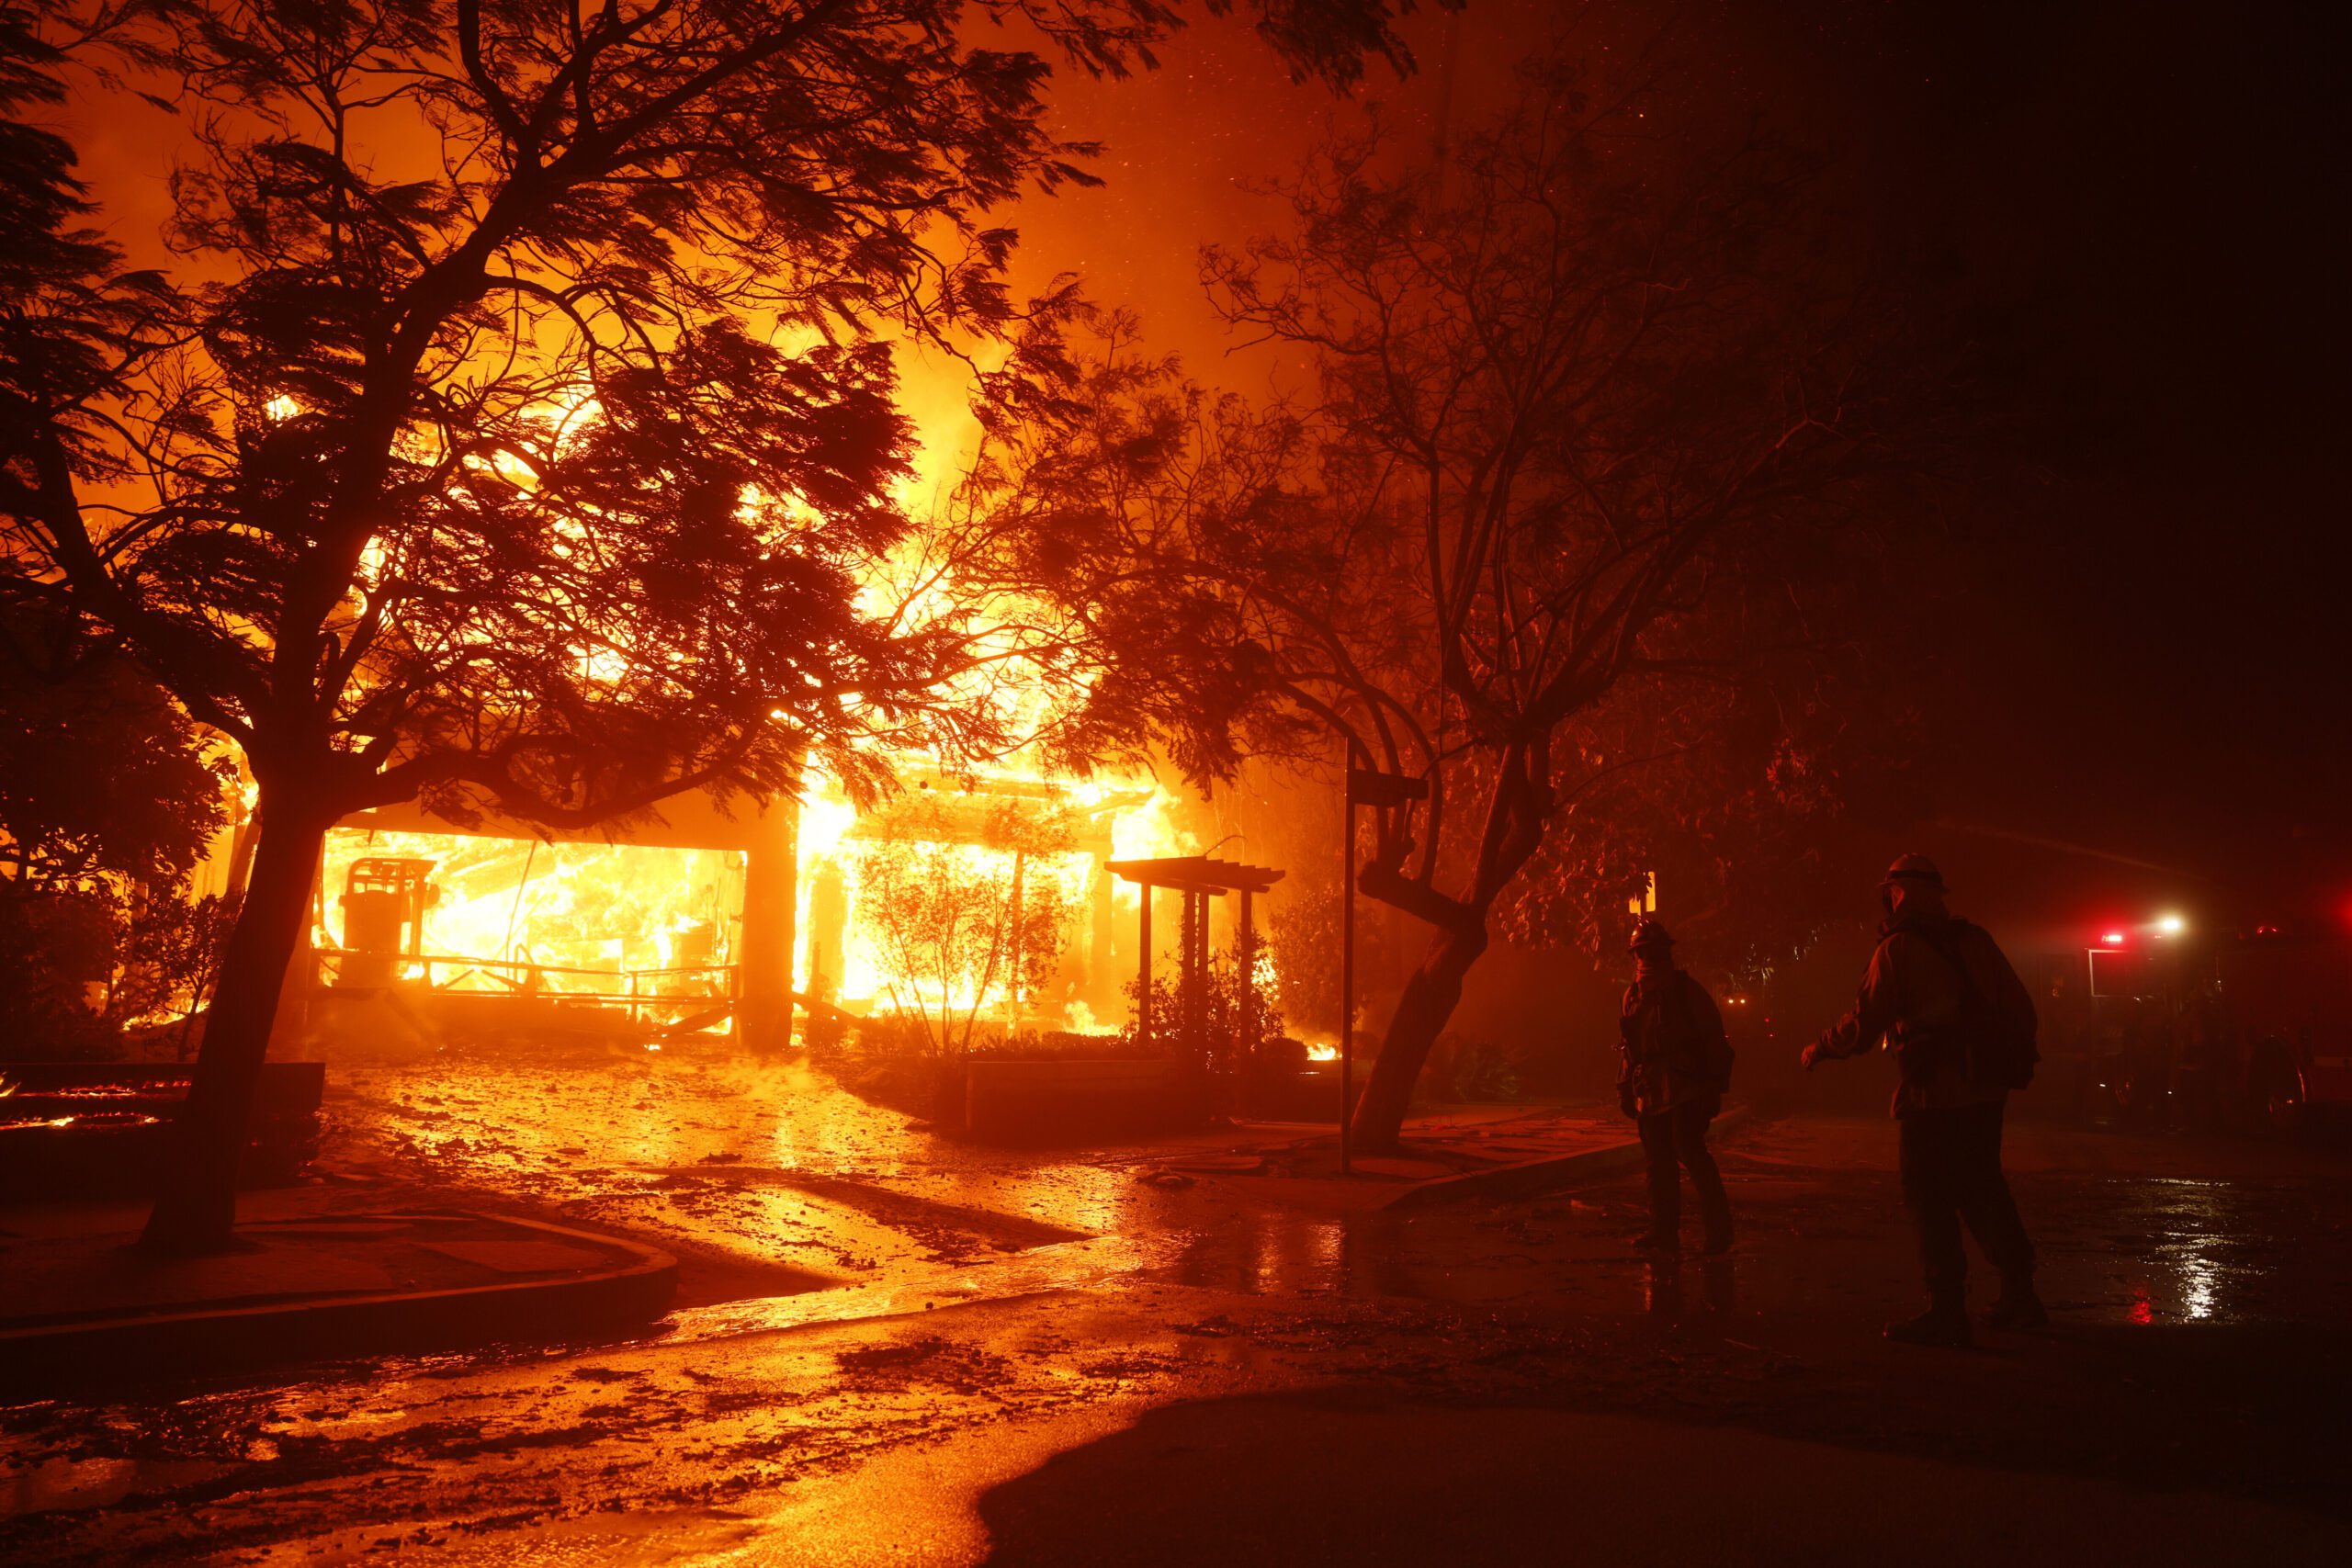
(1428, 1000)
(196, 1201)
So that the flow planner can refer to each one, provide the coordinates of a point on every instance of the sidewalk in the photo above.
(78, 1303)
(1464, 1152)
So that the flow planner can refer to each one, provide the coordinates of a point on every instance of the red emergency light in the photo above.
(2113, 939)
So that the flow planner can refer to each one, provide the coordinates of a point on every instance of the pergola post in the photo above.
(1188, 970)
(1143, 970)
(1201, 976)
(1246, 944)
(1198, 879)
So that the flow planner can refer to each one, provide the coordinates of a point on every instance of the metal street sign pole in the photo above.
(1347, 954)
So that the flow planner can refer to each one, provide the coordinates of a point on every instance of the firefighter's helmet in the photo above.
(1649, 933)
(1918, 870)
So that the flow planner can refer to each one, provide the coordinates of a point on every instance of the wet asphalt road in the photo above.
(897, 1350)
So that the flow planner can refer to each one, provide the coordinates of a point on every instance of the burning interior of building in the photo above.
(963, 910)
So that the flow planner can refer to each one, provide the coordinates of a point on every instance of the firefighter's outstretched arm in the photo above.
(1876, 1008)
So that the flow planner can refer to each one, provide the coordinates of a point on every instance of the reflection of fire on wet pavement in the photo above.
(765, 1178)
(869, 1417)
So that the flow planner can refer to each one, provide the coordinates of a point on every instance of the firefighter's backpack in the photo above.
(1995, 1034)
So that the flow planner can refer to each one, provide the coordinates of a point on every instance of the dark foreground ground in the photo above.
(1205, 1380)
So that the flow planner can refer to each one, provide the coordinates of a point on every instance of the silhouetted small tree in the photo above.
(964, 908)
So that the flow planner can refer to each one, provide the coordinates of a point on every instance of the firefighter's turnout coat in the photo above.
(1913, 997)
(1673, 1044)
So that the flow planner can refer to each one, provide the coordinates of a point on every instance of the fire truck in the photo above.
(2108, 1012)
(2146, 1025)
(2286, 1005)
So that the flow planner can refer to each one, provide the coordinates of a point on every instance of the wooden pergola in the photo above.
(1200, 879)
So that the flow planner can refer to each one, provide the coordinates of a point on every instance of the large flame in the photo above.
(846, 963)
(585, 915)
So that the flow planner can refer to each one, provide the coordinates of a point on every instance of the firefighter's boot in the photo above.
(1943, 1325)
(2019, 1306)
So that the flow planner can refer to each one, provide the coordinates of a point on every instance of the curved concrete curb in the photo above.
(55, 1356)
(1542, 1174)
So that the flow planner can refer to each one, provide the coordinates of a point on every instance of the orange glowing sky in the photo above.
(1183, 146)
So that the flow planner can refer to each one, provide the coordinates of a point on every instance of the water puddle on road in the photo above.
(2173, 1250)
(1041, 1272)
(1460, 1259)
(60, 1483)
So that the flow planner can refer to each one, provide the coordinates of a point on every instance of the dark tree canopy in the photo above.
(515, 426)
(108, 798)
(515, 432)
(103, 780)
(1570, 496)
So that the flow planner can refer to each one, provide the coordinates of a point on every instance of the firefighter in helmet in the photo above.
(1677, 1066)
(1961, 1026)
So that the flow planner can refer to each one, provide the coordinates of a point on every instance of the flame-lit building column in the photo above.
(771, 880)
(1099, 979)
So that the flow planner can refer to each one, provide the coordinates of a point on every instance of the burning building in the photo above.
(967, 907)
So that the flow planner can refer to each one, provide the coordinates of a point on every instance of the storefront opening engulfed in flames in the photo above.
(607, 935)
(564, 908)
(977, 905)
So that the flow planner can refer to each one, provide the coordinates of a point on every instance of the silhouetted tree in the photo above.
(102, 778)
(1143, 520)
(1589, 412)
(1779, 778)
(108, 801)
(515, 432)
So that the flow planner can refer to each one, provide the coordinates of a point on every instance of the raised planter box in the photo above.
(1303, 1094)
(525, 1282)
(1047, 1100)
(85, 1130)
